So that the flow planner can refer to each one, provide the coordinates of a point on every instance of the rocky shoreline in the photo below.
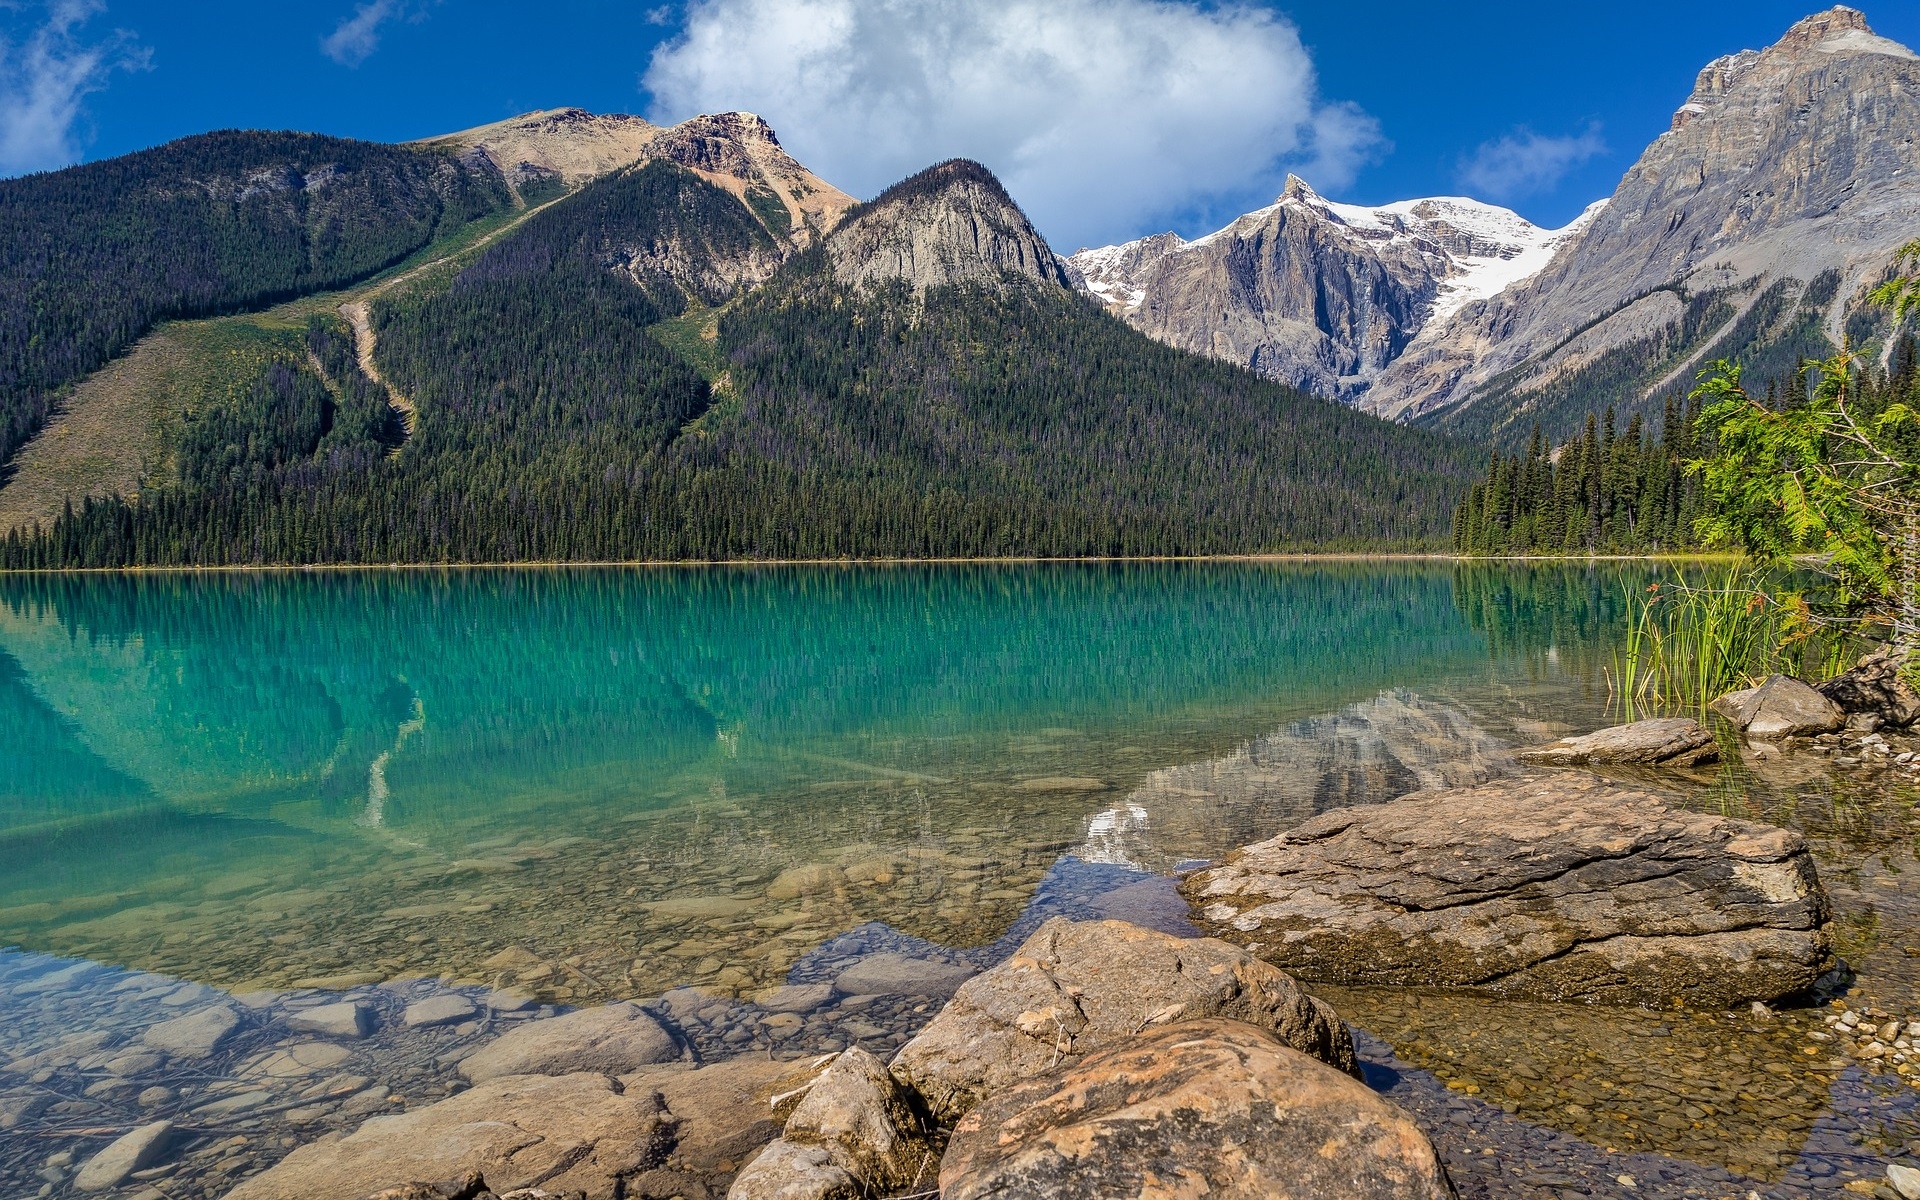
(265, 1088)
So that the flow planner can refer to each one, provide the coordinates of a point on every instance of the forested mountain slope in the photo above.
(578, 398)
(91, 257)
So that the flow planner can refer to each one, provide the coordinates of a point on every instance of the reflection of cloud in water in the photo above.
(1396, 743)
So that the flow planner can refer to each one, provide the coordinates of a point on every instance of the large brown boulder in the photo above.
(1874, 687)
(1204, 1108)
(1780, 707)
(1660, 742)
(1560, 887)
(1077, 987)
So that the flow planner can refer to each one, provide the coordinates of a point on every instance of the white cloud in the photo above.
(45, 79)
(1524, 164)
(1101, 116)
(358, 36)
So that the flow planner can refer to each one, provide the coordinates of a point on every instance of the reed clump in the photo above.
(1689, 642)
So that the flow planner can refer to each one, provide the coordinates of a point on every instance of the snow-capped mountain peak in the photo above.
(1319, 293)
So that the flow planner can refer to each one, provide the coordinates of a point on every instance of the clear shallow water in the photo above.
(576, 786)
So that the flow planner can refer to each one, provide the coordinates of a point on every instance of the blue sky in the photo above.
(1107, 118)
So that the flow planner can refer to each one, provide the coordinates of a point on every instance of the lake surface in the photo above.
(577, 786)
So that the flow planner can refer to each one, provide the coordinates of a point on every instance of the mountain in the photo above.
(1747, 231)
(110, 263)
(609, 377)
(951, 224)
(735, 151)
(1320, 295)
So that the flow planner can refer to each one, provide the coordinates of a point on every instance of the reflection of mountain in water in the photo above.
(247, 693)
(1394, 744)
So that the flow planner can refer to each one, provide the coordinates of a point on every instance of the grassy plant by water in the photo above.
(1690, 642)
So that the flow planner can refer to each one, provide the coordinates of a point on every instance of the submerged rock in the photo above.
(1780, 707)
(344, 1020)
(1204, 1108)
(610, 1040)
(1074, 988)
(899, 975)
(196, 1035)
(1565, 887)
(1874, 687)
(1661, 742)
(131, 1152)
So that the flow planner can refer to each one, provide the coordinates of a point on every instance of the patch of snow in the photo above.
(1859, 41)
(1482, 277)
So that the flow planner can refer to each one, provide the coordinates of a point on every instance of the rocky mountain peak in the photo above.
(952, 223)
(1316, 293)
(1786, 168)
(1298, 189)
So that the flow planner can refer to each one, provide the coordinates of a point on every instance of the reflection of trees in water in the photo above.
(1550, 618)
(215, 689)
(46, 769)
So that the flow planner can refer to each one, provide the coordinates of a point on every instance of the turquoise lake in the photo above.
(575, 786)
(187, 740)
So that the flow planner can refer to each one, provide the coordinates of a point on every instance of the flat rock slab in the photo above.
(1661, 742)
(1206, 1108)
(572, 1133)
(610, 1040)
(1558, 887)
(723, 1114)
(438, 1010)
(1078, 987)
(1780, 707)
(132, 1152)
(899, 975)
(346, 1020)
(196, 1035)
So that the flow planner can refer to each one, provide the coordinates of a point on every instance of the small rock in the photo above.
(438, 1010)
(784, 1171)
(344, 1020)
(899, 975)
(132, 1152)
(1905, 1180)
(798, 998)
(1213, 1108)
(809, 879)
(507, 1002)
(196, 1035)
(612, 1040)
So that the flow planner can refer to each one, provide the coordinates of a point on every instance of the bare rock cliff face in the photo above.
(1319, 295)
(1784, 165)
(950, 224)
(736, 151)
